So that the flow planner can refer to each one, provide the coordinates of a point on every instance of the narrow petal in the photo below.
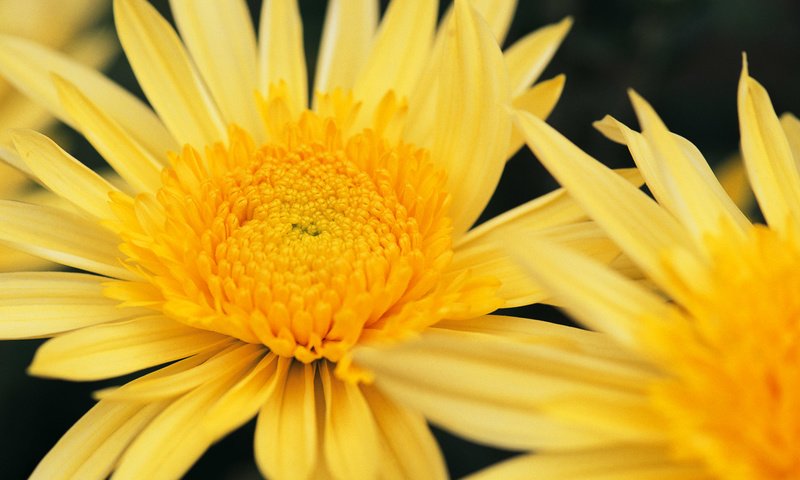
(472, 128)
(791, 128)
(286, 431)
(527, 58)
(166, 74)
(539, 100)
(221, 39)
(410, 450)
(37, 304)
(398, 53)
(497, 13)
(640, 227)
(595, 295)
(768, 157)
(351, 436)
(28, 66)
(105, 351)
(174, 440)
(346, 42)
(692, 192)
(63, 174)
(91, 448)
(281, 53)
(61, 236)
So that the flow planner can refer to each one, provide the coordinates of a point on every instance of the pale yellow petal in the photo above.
(539, 100)
(646, 462)
(14, 170)
(37, 304)
(351, 442)
(346, 42)
(28, 66)
(63, 174)
(409, 448)
(286, 431)
(497, 13)
(19, 111)
(91, 448)
(791, 128)
(105, 351)
(527, 58)
(473, 126)
(281, 53)
(62, 237)
(166, 74)
(690, 190)
(638, 225)
(175, 439)
(398, 52)
(768, 157)
(221, 39)
(599, 297)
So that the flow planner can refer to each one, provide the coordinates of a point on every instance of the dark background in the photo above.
(683, 56)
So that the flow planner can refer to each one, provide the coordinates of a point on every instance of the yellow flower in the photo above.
(278, 254)
(60, 25)
(701, 377)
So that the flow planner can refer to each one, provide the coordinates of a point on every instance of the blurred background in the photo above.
(684, 56)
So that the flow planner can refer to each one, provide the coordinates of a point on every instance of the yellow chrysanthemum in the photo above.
(701, 378)
(278, 253)
(36, 20)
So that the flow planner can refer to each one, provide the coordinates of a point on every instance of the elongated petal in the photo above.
(643, 229)
(105, 351)
(28, 66)
(221, 39)
(351, 437)
(281, 53)
(62, 237)
(497, 13)
(346, 43)
(768, 156)
(473, 127)
(528, 57)
(410, 451)
(63, 174)
(791, 128)
(166, 74)
(692, 192)
(91, 448)
(286, 432)
(539, 100)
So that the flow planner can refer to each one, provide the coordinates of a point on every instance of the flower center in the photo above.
(734, 395)
(309, 244)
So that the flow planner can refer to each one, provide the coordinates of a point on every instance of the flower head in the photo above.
(704, 383)
(275, 252)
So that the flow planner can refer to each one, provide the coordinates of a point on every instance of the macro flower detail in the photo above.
(711, 386)
(274, 253)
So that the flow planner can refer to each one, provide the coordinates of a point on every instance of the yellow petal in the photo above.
(61, 236)
(346, 42)
(768, 156)
(286, 431)
(538, 100)
(28, 66)
(791, 128)
(281, 53)
(63, 174)
(166, 74)
(472, 126)
(637, 224)
(687, 186)
(351, 436)
(497, 13)
(91, 448)
(222, 42)
(410, 450)
(527, 58)
(105, 351)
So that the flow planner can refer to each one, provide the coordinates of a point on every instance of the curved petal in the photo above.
(791, 128)
(346, 43)
(539, 100)
(497, 13)
(527, 58)
(105, 351)
(281, 53)
(166, 74)
(221, 39)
